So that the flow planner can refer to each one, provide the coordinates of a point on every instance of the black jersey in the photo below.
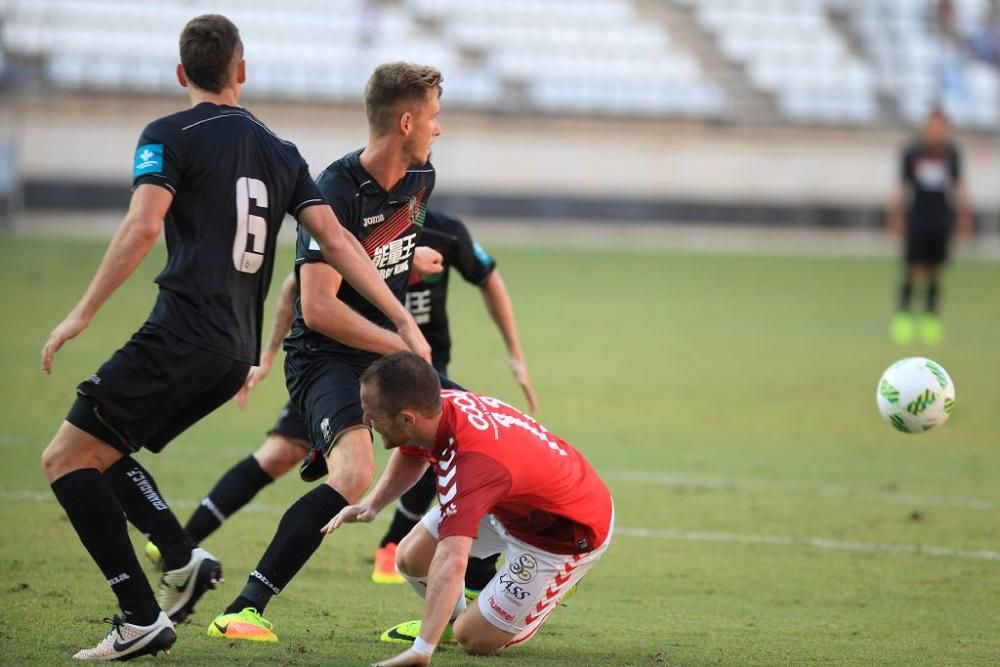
(233, 181)
(388, 226)
(931, 177)
(427, 299)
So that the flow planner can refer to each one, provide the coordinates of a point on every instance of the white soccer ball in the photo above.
(915, 395)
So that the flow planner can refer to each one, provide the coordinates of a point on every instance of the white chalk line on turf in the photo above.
(708, 482)
(666, 534)
(814, 542)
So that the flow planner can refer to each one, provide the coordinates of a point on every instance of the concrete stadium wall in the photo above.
(90, 139)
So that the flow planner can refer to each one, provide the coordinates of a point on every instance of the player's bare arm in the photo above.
(427, 262)
(501, 309)
(284, 313)
(350, 261)
(401, 473)
(325, 313)
(133, 240)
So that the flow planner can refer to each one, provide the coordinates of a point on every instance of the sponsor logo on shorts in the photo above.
(512, 590)
(501, 612)
(524, 568)
(95, 378)
(324, 426)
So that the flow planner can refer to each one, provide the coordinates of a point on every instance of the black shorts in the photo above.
(291, 425)
(152, 389)
(327, 393)
(927, 242)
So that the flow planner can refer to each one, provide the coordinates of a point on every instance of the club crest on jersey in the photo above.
(417, 211)
(148, 160)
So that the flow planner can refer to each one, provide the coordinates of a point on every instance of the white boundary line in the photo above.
(708, 482)
(814, 542)
(666, 534)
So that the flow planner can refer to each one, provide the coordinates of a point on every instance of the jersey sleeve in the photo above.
(159, 156)
(471, 259)
(306, 192)
(306, 249)
(336, 190)
(478, 484)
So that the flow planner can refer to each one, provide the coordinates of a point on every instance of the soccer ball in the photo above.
(915, 395)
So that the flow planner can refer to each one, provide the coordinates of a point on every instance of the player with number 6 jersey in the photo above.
(220, 182)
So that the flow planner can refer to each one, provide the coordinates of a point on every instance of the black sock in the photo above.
(233, 490)
(479, 572)
(414, 503)
(905, 296)
(97, 517)
(931, 303)
(297, 537)
(148, 512)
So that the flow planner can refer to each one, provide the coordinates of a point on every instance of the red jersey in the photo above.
(492, 458)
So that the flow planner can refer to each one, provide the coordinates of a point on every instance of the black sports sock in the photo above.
(479, 572)
(931, 302)
(233, 490)
(297, 537)
(148, 512)
(97, 517)
(905, 295)
(414, 503)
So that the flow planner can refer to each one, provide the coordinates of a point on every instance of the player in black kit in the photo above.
(379, 193)
(220, 183)
(427, 302)
(923, 213)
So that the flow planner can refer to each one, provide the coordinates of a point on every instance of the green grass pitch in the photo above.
(766, 514)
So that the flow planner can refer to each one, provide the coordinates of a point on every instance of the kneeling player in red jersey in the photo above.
(504, 484)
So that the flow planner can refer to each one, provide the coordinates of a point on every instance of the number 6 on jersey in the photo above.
(247, 260)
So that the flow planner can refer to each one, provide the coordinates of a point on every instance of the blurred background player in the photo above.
(221, 183)
(379, 193)
(505, 483)
(427, 301)
(923, 212)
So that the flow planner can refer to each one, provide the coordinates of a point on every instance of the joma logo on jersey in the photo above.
(373, 220)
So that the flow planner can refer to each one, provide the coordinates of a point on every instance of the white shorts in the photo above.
(531, 582)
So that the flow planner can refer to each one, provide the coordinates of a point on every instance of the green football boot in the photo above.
(902, 328)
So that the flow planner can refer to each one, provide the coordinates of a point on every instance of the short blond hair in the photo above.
(392, 83)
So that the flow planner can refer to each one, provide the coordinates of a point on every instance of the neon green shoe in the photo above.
(406, 633)
(901, 329)
(931, 331)
(153, 554)
(247, 624)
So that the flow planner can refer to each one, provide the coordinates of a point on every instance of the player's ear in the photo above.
(406, 122)
(181, 76)
(241, 72)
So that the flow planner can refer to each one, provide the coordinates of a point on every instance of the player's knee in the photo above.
(50, 462)
(278, 455)
(476, 644)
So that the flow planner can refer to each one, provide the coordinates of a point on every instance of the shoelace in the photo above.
(116, 622)
(255, 615)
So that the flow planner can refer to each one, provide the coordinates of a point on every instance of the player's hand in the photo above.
(407, 657)
(414, 339)
(427, 261)
(254, 377)
(68, 328)
(520, 370)
(350, 514)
